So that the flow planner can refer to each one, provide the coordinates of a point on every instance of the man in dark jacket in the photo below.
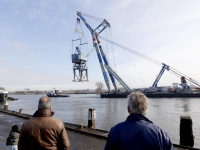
(43, 131)
(137, 132)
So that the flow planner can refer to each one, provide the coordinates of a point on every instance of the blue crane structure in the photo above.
(106, 69)
(101, 54)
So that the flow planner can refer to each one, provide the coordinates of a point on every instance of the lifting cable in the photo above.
(77, 32)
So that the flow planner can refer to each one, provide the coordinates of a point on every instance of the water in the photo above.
(164, 112)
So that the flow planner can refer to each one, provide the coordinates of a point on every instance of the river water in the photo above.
(163, 112)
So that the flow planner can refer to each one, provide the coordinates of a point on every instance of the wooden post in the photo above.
(80, 126)
(21, 111)
(6, 105)
(91, 118)
(186, 132)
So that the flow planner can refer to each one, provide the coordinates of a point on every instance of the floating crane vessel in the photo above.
(152, 92)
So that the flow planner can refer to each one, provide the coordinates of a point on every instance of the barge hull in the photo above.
(58, 95)
(156, 95)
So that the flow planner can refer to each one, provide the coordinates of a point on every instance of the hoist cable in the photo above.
(73, 38)
(84, 36)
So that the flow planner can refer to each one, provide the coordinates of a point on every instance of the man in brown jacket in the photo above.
(43, 132)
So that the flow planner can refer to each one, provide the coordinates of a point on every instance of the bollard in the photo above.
(186, 132)
(6, 105)
(80, 126)
(91, 118)
(21, 111)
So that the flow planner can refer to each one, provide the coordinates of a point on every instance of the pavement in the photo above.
(77, 141)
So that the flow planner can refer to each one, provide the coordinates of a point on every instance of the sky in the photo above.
(36, 41)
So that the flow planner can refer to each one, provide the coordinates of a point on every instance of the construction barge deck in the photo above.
(155, 95)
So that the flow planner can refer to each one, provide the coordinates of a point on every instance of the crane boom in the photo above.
(96, 47)
(106, 63)
(118, 79)
(160, 74)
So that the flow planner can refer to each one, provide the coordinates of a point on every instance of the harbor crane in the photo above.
(104, 64)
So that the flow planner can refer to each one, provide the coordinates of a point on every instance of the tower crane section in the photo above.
(79, 65)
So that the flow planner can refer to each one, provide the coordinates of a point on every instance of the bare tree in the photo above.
(100, 86)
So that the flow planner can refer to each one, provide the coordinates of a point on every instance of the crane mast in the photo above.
(96, 48)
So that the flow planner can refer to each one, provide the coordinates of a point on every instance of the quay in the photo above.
(81, 137)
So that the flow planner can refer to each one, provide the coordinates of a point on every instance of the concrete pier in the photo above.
(81, 138)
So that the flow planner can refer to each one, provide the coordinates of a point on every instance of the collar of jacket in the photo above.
(43, 113)
(137, 117)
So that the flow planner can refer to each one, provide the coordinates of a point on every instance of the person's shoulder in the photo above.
(160, 131)
(119, 126)
(58, 122)
(14, 134)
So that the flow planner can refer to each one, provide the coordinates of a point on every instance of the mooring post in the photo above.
(91, 118)
(6, 105)
(21, 111)
(186, 132)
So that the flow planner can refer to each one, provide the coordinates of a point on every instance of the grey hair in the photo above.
(44, 103)
(138, 103)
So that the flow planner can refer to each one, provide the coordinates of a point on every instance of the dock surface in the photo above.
(80, 139)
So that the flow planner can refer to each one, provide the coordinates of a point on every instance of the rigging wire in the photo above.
(107, 53)
(84, 36)
(92, 17)
(186, 76)
(133, 51)
(130, 61)
(113, 52)
(73, 38)
(79, 37)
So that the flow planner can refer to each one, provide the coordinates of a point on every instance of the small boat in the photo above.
(55, 93)
(3, 94)
(12, 99)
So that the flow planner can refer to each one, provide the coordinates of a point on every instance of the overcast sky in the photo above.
(36, 47)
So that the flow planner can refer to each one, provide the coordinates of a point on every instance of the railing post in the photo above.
(91, 118)
(21, 111)
(6, 105)
(186, 132)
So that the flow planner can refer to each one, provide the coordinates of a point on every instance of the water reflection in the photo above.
(186, 105)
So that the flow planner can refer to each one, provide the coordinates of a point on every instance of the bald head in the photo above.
(44, 103)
